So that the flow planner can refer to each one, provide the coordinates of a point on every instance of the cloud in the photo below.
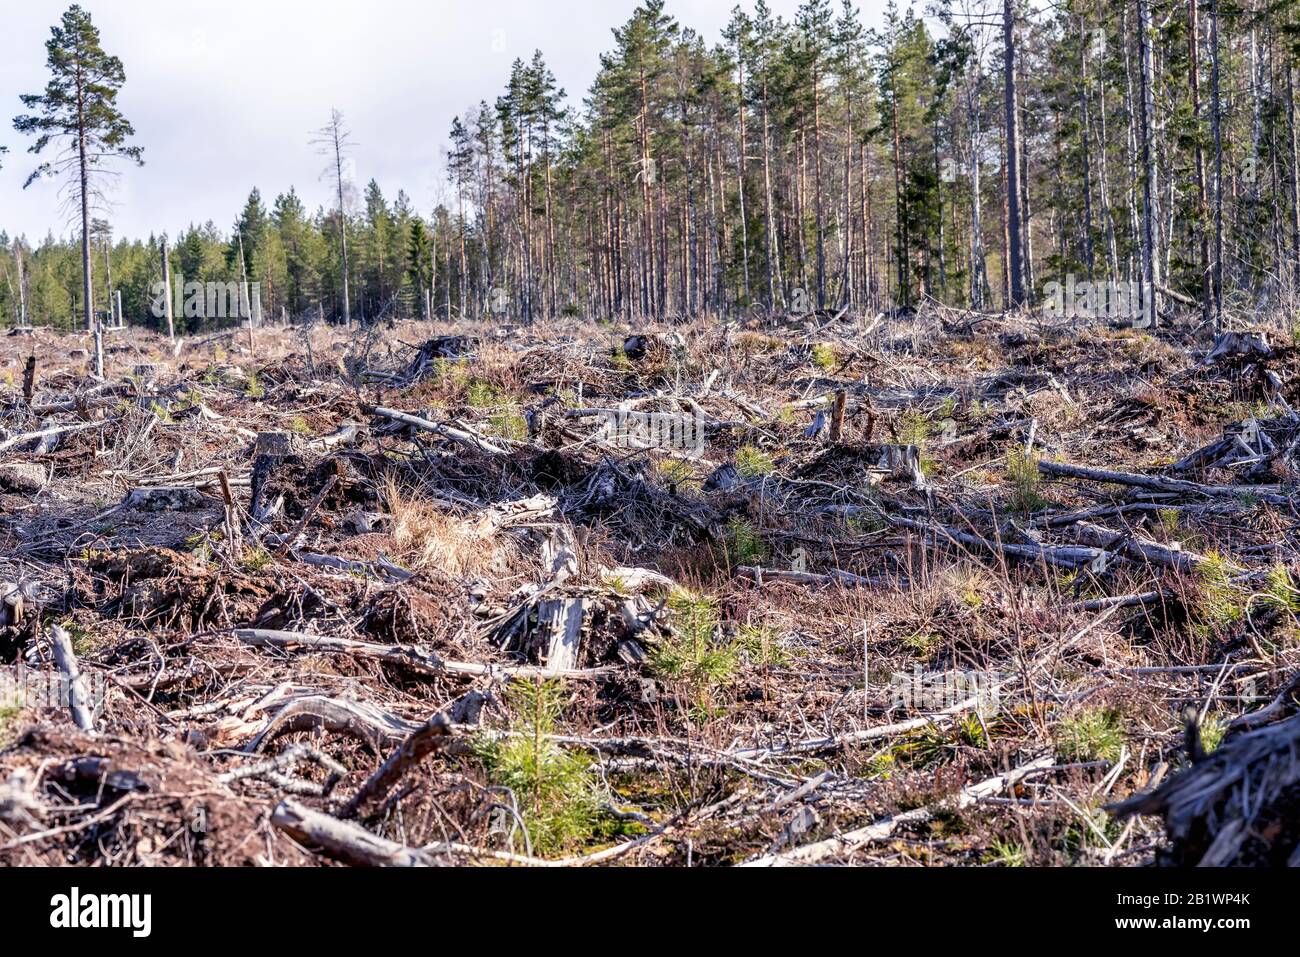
(224, 94)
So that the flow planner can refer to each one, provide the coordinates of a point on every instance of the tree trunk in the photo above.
(1087, 153)
(904, 252)
(1015, 242)
(87, 287)
(1202, 203)
(979, 279)
(770, 230)
(167, 290)
(817, 186)
(343, 226)
(22, 286)
(1216, 127)
(1150, 258)
(1295, 170)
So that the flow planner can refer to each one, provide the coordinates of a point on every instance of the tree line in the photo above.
(970, 156)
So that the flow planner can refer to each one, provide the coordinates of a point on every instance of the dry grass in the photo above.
(428, 536)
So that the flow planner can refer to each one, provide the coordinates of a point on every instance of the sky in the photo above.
(224, 94)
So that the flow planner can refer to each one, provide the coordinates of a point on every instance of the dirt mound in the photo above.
(160, 805)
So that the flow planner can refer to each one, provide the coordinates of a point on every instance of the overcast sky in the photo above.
(224, 94)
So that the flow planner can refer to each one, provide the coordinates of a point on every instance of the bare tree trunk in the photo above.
(868, 229)
(817, 186)
(1133, 146)
(464, 278)
(1216, 126)
(767, 202)
(167, 289)
(87, 287)
(552, 292)
(1015, 241)
(744, 224)
(1103, 175)
(647, 213)
(904, 252)
(333, 142)
(1202, 203)
(245, 302)
(22, 286)
(1295, 169)
(343, 255)
(1027, 210)
(108, 278)
(1087, 152)
(1150, 259)
(979, 277)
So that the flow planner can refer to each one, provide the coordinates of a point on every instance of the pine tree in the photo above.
(79, 109)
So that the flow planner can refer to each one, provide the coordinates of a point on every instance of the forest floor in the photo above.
(820, 592)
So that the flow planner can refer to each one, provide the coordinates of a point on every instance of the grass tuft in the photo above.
(423, 535)
(1006, 854)
(753, 462)
(1025, 481)
(745, 546)
(1095, 734)
(824, 357)
(1279, 591)
(1219, 603)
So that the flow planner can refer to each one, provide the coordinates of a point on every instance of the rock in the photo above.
(723, 480)
(166, 499)
(22, 478)
(652, 345)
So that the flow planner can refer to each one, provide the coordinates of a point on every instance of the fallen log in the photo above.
(54, 431)
(459, 436)
(384, 571)
(346, 434)
(635, 579)
(833, 577)
(166, 498)
(345, 841)
(1060, 556)
(78, 696)
(365, 722)
(1139, 548)
(1223, 809)
(1267, 493)
(886, 827)
(1118, 601)
(404, 656)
